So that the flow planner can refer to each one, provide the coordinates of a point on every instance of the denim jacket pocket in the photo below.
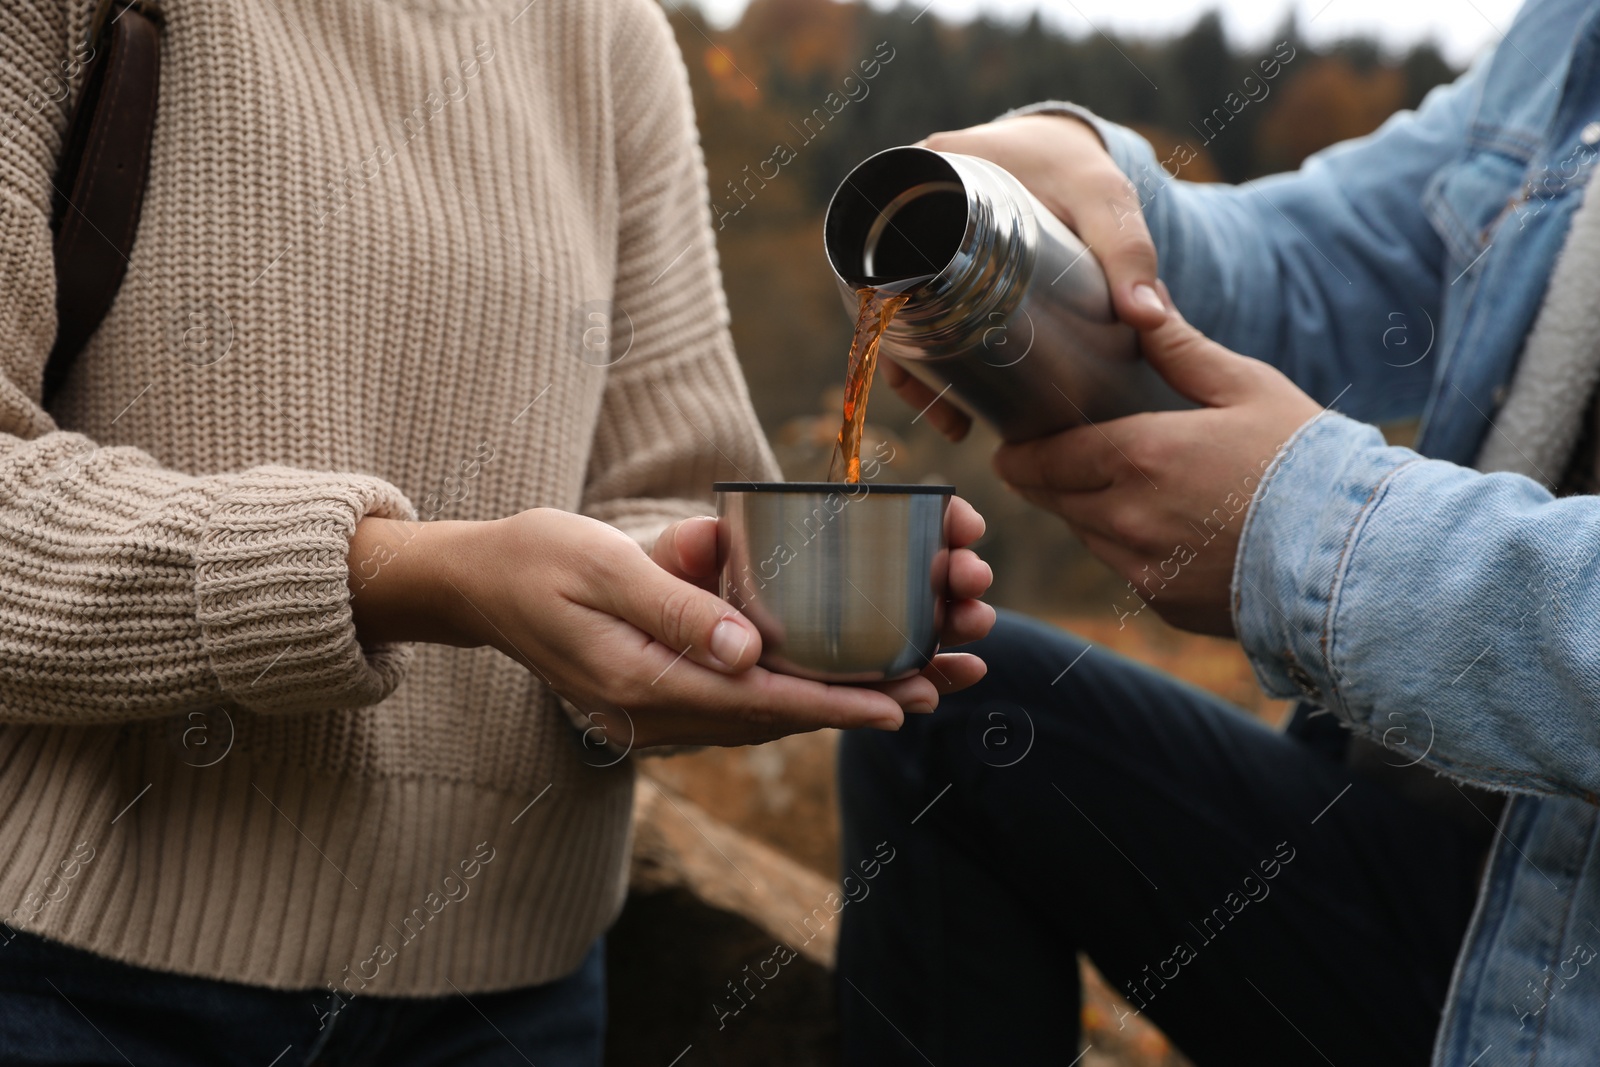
(1465, 200)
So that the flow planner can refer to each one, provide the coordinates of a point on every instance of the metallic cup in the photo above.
(845, 582)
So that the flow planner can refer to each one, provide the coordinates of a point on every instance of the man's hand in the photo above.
(1161, 497)
(1062, 161)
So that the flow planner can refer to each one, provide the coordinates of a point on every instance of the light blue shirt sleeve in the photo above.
(1302, 270)
(1447, 613)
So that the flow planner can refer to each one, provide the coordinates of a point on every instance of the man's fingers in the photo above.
(949, 420)
(1072, 461)
(1121, 242)
(1192, 363)
(684, 617)
(1063, 161)
(944, 415)
(1109, 219)
(1123, 561)
(1089, 514)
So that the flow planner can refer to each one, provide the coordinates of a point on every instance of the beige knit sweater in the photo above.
(376, 238)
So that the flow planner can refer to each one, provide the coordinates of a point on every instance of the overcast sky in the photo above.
(1460, 27)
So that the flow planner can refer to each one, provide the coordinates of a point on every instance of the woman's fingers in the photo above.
(965, 621)
(776, 702)
(916, 695)
(951, 672)
(948, 672)
(706, 681)
(962, 523)
(685, 618)
(970, 577)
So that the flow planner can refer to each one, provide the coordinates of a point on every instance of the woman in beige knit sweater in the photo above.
(283, 772)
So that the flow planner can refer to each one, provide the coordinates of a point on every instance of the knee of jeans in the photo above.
(1040, 679)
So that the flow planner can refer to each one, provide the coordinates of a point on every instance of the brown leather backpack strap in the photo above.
(100, 181)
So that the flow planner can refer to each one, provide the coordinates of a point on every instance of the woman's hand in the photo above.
(609, 627)
(688, 550)
(1063, 162)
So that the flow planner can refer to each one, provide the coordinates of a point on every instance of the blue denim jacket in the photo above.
(1425, 604)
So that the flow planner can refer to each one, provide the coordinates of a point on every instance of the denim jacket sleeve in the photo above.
(1449, 614)
(1302, 269)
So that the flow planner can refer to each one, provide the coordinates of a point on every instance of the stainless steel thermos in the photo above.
(1009, 309)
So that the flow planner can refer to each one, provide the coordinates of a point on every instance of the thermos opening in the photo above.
(1008, 310)
(899, 216)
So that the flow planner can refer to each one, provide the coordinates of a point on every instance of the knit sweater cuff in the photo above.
(272, 592)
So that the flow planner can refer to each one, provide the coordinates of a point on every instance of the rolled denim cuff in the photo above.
(1129, 151)
(1297, 542)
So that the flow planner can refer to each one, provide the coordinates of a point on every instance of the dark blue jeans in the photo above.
(61, 1006)
(1252, 896)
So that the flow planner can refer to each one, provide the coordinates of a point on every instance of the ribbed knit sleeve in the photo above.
(676, 414)
(128, 590)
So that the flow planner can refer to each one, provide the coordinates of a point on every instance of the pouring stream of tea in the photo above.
(876, 310)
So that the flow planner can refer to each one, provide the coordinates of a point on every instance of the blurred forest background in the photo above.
(757, 83)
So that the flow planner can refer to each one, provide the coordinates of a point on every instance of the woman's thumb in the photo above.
(687, 619)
